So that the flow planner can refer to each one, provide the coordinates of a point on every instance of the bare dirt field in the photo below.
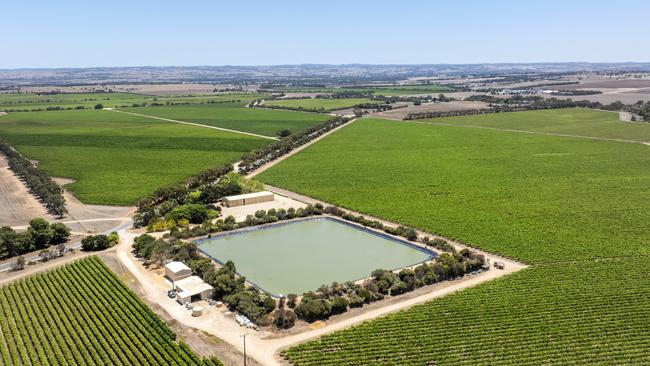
(301, 95)
(17, 205)
(608, 84)
(399, 114)
(626, 96)
(149, 89)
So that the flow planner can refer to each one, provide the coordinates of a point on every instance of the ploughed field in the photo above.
(325, 104)
(317, 247)
(574, 208)
(82, 314)
(236, 116)
(116, 158)
(30, 101)
(378, 90)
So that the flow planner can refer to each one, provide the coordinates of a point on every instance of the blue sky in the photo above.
(71, 33)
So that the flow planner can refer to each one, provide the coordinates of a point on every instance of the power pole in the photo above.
(244, 336)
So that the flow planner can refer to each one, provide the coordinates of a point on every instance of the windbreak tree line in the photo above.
(519, 103)
(256, 159)
(39, 183)
(327, 300)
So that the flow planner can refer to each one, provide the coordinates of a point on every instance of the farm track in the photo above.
(295, 151)
(193, 124)
(264, 347)
(531, 132)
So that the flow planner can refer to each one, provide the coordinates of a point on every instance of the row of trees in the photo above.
(641, 109)
(327, 300)
(256, 159)
(39, 183)
(229, 223)
(515, 104)
(184, 205)
(39, 235)
(200, 188)
(337, 298)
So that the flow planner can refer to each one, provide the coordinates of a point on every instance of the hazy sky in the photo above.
(70, 33)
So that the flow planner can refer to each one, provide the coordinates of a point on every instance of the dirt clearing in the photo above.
(400, 113)
(17, 205)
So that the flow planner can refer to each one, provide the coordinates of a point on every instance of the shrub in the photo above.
(313, 308)
(192, 212)
(60, 233)
(95, 242)
(339, 305)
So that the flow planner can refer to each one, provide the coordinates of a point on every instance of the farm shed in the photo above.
(176, 271)
(191, 289)
(248, 199)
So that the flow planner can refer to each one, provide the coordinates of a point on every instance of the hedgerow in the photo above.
(39, 183)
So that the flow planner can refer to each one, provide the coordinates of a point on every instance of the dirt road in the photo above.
(296, 150)
(528, 132)
(264, 346)
(193, 124)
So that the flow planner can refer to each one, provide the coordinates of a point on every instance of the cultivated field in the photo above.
(570, 121)
(574, 208)
(320, 103)
(503, 191)
(29, 101)
(82, 314)
(235, 116)
(559, 314)
(116, 158)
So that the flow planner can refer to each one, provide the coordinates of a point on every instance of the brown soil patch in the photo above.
(607, 84)
(17, 205)
(400, 113)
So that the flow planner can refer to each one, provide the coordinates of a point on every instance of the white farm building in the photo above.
(191, 289)
(175, 271)
(248, 199)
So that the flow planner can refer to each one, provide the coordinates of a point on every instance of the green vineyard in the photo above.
(578, 314)
(82, 314)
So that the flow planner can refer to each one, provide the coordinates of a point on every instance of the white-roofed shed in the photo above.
(192, 288)
(176, 271)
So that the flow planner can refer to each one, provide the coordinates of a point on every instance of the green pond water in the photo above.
(301, 256)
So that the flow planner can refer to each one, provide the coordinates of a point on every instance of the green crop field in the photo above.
(116, 158)
(320, 103)
(82, 314)
(28, 101)
(379, 90)
(532, 197)
(577, 313)
(569, 121)
(574, 208)
(236, 116)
